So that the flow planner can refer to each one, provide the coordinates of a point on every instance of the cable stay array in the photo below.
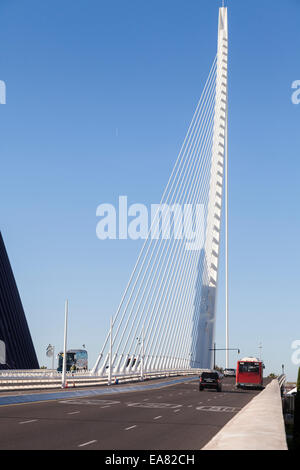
(165, 319)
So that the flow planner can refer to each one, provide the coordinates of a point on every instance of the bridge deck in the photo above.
(173, 415)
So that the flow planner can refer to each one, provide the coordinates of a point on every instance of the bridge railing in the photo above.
(281, 380)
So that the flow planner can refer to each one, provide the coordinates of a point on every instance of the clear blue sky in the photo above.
(99, 98)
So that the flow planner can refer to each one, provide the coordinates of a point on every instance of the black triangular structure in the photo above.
(14, 331)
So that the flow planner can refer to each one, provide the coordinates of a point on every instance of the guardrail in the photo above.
(281, 380)
(46, 379)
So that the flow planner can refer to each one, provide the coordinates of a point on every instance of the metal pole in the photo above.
(63, 378)
(110, 353)
(214, 356)
(142, 358)
(260, 348)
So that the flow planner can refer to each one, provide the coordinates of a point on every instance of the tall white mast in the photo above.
(217, 176)
(226, 243)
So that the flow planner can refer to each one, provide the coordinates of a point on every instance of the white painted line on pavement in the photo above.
(131, 427)
(87, 443)
(158, 417)
(30, 421)
(74, 413)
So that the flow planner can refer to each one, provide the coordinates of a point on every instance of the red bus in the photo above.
(249, 373)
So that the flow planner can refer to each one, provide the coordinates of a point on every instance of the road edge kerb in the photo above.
(258, 426)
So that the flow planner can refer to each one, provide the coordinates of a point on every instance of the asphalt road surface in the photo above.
(173, 417)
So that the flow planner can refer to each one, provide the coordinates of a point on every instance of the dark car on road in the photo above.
(210, 380)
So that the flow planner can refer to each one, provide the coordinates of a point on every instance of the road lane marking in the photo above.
(29, 421)
(74, 413)
(157, 417)
(154, 405)
(131, 427)
(86, 443)
(83, 401)
(218, 409)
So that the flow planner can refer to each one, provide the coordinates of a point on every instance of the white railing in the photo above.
(281, 380)
(46, 379)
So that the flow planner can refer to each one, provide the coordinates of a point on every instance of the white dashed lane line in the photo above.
(29, 421)
(157, 417)
(131, 427)
(74, 413)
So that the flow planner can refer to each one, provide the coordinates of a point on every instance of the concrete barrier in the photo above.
(258, 426)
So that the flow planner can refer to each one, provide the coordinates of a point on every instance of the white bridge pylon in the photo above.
(166, 317)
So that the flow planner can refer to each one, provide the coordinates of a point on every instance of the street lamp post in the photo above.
(64, 368)
(110, 352)
(142, 355)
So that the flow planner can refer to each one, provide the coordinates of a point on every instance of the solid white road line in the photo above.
(87, 443)
(30, 421)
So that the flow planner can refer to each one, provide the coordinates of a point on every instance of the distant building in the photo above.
(18, 348)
